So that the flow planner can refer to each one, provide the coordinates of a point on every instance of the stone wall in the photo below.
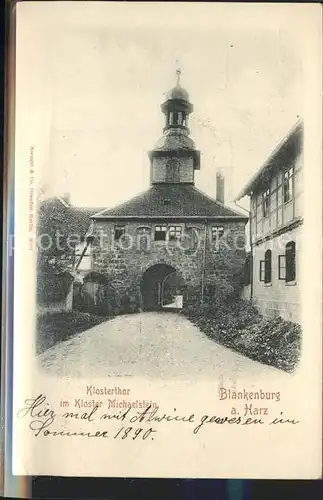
(125, 262)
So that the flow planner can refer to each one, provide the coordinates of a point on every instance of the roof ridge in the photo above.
(186, 201)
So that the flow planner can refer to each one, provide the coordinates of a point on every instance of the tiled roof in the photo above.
(170, 200)
(56, 214)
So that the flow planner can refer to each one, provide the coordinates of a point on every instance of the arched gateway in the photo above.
(162, 287)
(170, 224)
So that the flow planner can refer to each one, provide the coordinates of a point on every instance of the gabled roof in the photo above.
(170, 201)
(289, 147)
(57, 213)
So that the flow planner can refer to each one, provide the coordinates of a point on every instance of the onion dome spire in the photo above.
(177, 106)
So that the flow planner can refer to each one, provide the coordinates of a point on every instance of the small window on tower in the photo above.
(119, 232)
(171, 118)
(160, 233)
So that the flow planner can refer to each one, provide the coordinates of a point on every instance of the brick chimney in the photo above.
(220, 188)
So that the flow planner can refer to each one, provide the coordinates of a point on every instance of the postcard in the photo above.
(167, 246)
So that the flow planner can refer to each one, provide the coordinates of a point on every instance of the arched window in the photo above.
(173, 170)
(268, 266)
(171, 117)
(143, 238)
(290, 255)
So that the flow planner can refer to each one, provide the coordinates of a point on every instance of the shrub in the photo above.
(52, 287)
(239, 326)
(54, 327)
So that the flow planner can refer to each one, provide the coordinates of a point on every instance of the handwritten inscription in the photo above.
(135, 425)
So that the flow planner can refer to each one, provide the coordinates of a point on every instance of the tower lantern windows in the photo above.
(176, 118)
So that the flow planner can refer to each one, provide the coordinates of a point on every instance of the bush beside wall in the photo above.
(236, 324)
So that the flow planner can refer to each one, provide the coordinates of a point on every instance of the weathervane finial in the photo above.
(178, 73)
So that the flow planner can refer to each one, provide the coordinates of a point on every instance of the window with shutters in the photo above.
(268, 266)
(290, 259)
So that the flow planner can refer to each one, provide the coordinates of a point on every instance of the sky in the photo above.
(92, 77)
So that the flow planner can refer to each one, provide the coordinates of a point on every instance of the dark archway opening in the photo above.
(96, 295)
(162, 288)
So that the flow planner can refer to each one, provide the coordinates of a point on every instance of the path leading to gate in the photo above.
(163, 345)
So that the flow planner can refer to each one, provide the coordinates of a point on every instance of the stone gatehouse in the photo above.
(171, 240)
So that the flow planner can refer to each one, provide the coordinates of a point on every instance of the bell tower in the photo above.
(175, 158)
